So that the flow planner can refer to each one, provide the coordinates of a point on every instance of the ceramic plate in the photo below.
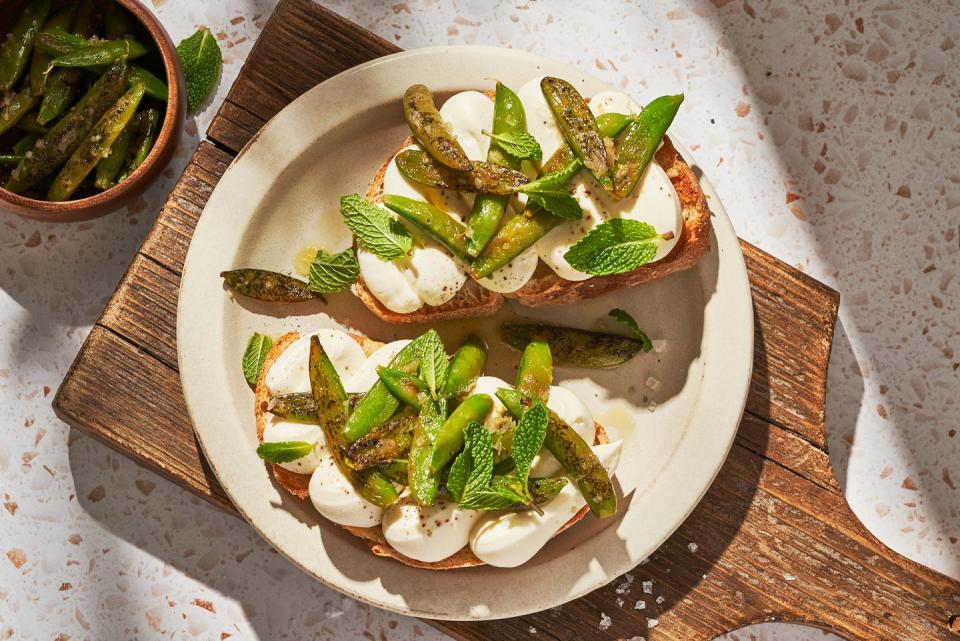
(282, 193)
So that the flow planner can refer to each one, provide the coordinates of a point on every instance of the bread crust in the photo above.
(297, 484)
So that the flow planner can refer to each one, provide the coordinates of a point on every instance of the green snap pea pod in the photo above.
(102, 54)
(437, 224)
(573, 453)
(300, 407)
(396, 471)
(18, 107)
(388, 442)
(87, 20)
(57, 41)
(96, 146)
(535, 374)
(610, 126)
(508, 117)
(60, 92)
(30, 125)
(65, 137)
(578, 347)
(10, 160)
(428, 128)
(15, 50)
(465, 367)
(403, 385)
(544, 490)
(578, 127)
(640, 142)
(25, 144)
(116, 22)
(378, 404)
(155, 87)
(332, 405)
(41, 60)
(109, 168)
(449, 439)
(485, 177)
(147, 124)
(422, 481)
(265, 285)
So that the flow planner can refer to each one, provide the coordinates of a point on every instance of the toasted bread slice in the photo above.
(297, 484)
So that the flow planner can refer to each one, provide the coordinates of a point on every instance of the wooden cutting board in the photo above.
(774, 538)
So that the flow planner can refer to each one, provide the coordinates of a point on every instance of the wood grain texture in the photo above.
(774, 538)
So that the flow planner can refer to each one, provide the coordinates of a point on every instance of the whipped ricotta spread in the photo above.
(423, 533)
(429, 275)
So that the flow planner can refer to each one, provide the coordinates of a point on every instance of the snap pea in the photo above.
(578, 127)
(265, 285)
(449, 438)
(101, 54)
(485, 177)
(155, 87)
(109, 168)
(405, 386)
(574, 346)
(640, 142)
(96, 146)
(147, 124)
(66, 136)
(57, 41)
(87, 21)
(428, 128)
(422, 481)
(332, 405)
(25, 144)
(388, 442)
(396, 471)
(29, 124)
(378, 404)
(300, 407)
(487, 212)
(437, 224)
(15, 50)
(116, 22)
(535, 373)
(41, 60)
(61, 88)
(573, 453)
(17, 107)
(465, 367)
(10, 160)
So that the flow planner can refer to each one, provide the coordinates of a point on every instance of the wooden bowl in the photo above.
(166, 143)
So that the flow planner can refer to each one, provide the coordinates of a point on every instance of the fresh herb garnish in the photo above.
(284, 451)
(201, 60)
(254, 355)
(624, 317)
(330, 273)
(527, 441)
(549, 192)
(433, 361)
(518, 144)
(615, 246)
(375, 228)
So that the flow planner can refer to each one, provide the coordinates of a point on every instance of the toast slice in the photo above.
(297, 484)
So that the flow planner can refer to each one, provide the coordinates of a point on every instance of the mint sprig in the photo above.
(284, 451)
(549, 192)
(331, 273)
(254, 355)
(519, 144)
(433, 361)
(375, 229)
(527, 441)
(624, 317)
(201, 60)
(615, 246)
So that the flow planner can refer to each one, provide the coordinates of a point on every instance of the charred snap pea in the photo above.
(10, 160)
(434, 222)
(535, 374)
(25, 144)
(574, 346)
(465, 367)
(57, 41)
(88, 19)
(15, 50)
(59, 93)
(396, 471)
(610, 126)
(388, 442)
(423, 482)
(147, 125)
(109, 168)
(578, 126)
(17, 107)
(508, 117)
(29, 124)
(332, 406)
(640, 142)
(101, 54)
(59, 143)
(449, 439)
(485, 177)
(41, 60)
(300, 407)
(268, 286)
(405, 386)
(429, 129)
(573, 453)
(96, 146)
(155, 87)
(116, 21)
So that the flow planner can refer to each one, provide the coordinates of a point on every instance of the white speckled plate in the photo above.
(281, 193)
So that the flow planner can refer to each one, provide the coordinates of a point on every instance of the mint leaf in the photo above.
(330, 273)
(201, 60)
(543, 490)
(375, 228)
(491, 499)
(459, 471)
(481, 459)
(527, 440)
(433, 361)
(284, 451)
(518, 144)
(254, 355)
(615, 246)
(549, 192)
(631, 323)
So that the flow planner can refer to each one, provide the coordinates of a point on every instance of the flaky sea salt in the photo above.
(605, 621)
(652, 405)
(640, 605)
(648, 587)
(619, 602)
(789, 577)
(659, 344)
(623, 588)
(692, 546)
(653, 382)
(628, 577)
(660, 600)
(652, 623)
(532, 630)
(637, 638)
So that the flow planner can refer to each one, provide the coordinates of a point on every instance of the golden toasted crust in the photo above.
(297, 484)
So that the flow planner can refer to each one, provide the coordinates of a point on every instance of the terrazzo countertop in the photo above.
(832, 135)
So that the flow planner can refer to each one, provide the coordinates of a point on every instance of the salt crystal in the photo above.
(692, 546)
(652, 623)
(640, 605)
(660, 600)
(789, 577)
(644, 562)
(638, 638)
(628, 577)
(532, 630)
(651, 406)
(659, 344)
(648, 587)
(619, 602)
(623, 588)
(653, 383)
(605, 621)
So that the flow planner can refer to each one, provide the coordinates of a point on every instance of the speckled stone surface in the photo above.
(831, 134)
